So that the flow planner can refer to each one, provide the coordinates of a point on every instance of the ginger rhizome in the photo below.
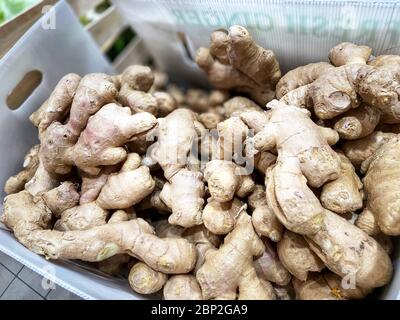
(235, 62)
(380, 183)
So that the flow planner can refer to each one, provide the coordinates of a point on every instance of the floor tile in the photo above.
(13, 265)
(61, 294)
(19, 291)
(5, 278)
(34, 280)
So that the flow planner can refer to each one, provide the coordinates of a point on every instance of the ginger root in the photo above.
(220, 278)
(182, 287)
(264, 220)
(29, 219)
(343, 195)
(145, 280)
(17, 183)
(380, 183)
(297, 257)
(235, 62)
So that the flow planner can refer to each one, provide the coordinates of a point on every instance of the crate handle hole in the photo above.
(24, 89)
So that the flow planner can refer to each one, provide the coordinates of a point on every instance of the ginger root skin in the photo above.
(359, 150)
(357, 123)
(220, 278)
(270, 268)
(226, 179)
(297, 257)
(380, 183)
(235, 62)
(29, 219)
(343, 195)
(145, 280)
(17, 182)
(182, 287)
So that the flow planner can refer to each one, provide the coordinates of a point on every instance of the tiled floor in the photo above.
(18, 282)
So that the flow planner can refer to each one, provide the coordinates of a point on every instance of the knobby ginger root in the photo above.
(297, 257)
(343, 195)
(127, 187)
(326, 286)
(359, 150)
(269, 267)
(264, 220)
(184, 191)
(381, 186)
(135, 83)
(330, 236)
(17, 183)
(182, 287)
(94, 148)
(300, 77)
(357, 123)
(29, 219)
(220, 277)
(56, 107)
(301, 139)
(220, 217)
(226, 179)
(145, 280)
(235, 62)
(62, 198)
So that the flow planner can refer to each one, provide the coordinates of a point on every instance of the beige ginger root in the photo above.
(297, 257)
(220, 278)
(301, 76)
(220, 217)
(270, 268)
(343, 195)
(302, 139)
(357, 123)
(56, 107)
(184, 191)
(127, 187)
(93, 148)
(17, 182)
(330, 236)
(380, 183)
(182, 287)
(359, 150)
(29, 219)
(264, 220)
(145, 280)
(235, 62)
(226, 179)
(62, 198)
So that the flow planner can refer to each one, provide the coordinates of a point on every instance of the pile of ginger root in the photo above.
(267, 187)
